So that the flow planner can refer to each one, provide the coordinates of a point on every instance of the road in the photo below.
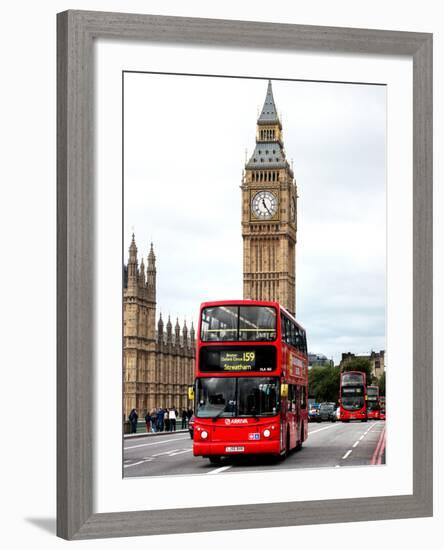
(328, 445)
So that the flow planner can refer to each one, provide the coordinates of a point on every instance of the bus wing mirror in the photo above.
(284, 390)
(191, 393)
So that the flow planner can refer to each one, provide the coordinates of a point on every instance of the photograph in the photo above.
(254, 274)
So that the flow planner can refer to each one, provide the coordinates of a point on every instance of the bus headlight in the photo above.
(204, 434)
(267, 433)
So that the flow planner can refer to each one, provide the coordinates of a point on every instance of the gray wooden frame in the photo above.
(76, 32)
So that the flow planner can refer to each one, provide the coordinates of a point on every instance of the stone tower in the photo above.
(269, 215)
(139, 328)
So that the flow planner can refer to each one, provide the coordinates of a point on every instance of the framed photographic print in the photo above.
(281, 175)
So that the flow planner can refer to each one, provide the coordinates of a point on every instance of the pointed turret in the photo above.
(185, 333)
(142, 273)
(269, 151)
(169, 332)
(132, 265)
(192, 332)
(160, 329)
(133, 249)
(151, 273)
(177, 331)
(151, 259)
(269, 113)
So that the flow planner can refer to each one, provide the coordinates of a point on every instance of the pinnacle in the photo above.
(269, 112)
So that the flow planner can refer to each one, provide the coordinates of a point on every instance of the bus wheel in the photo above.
(215, 460)
(299, 445)
(364, 420)
(285, 452)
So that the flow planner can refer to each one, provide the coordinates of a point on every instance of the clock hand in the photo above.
(266, 207)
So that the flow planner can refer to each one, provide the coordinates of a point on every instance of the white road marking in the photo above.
(371, 428)
(181, 452)
(362, 437)
(337, 466)
(346, 454)
(166, 452)
(356, 443)
(219, 470)
(157, 443)
(135, 464)
(320, 429)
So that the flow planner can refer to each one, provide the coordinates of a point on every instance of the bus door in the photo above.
(294, 410)
(298, 412)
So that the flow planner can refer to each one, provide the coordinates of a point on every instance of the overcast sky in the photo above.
(185, 144)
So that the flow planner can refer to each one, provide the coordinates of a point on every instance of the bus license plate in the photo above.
(234, 449)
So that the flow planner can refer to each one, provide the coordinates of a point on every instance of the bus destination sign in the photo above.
(237, 361)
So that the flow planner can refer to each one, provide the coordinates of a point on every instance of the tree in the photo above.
(360, 364)
(323, 383)
(381, 384)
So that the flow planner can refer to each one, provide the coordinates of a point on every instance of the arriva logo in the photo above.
(236, 421)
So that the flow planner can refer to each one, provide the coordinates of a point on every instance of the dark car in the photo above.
(327, 411)
(313, 412)
(191, 426)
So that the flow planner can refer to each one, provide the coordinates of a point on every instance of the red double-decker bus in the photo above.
(373, 404)
(353, 396)
(251, 380)
(382, 407)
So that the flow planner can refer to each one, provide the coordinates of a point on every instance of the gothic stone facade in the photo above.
(269, 215)
(158, 366)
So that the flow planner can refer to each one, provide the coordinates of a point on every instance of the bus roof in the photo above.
(240, 303)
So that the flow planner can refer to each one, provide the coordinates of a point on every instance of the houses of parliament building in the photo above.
(158, 362)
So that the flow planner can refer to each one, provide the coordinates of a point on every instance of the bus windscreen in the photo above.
(240, 397)
(352, 398)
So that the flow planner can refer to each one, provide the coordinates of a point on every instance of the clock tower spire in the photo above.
(269, 219)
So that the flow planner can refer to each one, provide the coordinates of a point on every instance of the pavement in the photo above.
(334, 445)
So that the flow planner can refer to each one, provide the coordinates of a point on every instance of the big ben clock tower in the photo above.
(269, 214)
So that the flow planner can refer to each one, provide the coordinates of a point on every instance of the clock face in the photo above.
(264, 205)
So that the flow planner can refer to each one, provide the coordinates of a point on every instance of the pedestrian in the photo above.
(172, 419)
(184, 419)
(148, 422)
(133, 417)
(160, 416)
(189, 414)
(153, 420)
(166, 419)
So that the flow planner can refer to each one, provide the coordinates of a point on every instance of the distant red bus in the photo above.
(373, 405)
(382, 407)
(353, 396)
(251, 381)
